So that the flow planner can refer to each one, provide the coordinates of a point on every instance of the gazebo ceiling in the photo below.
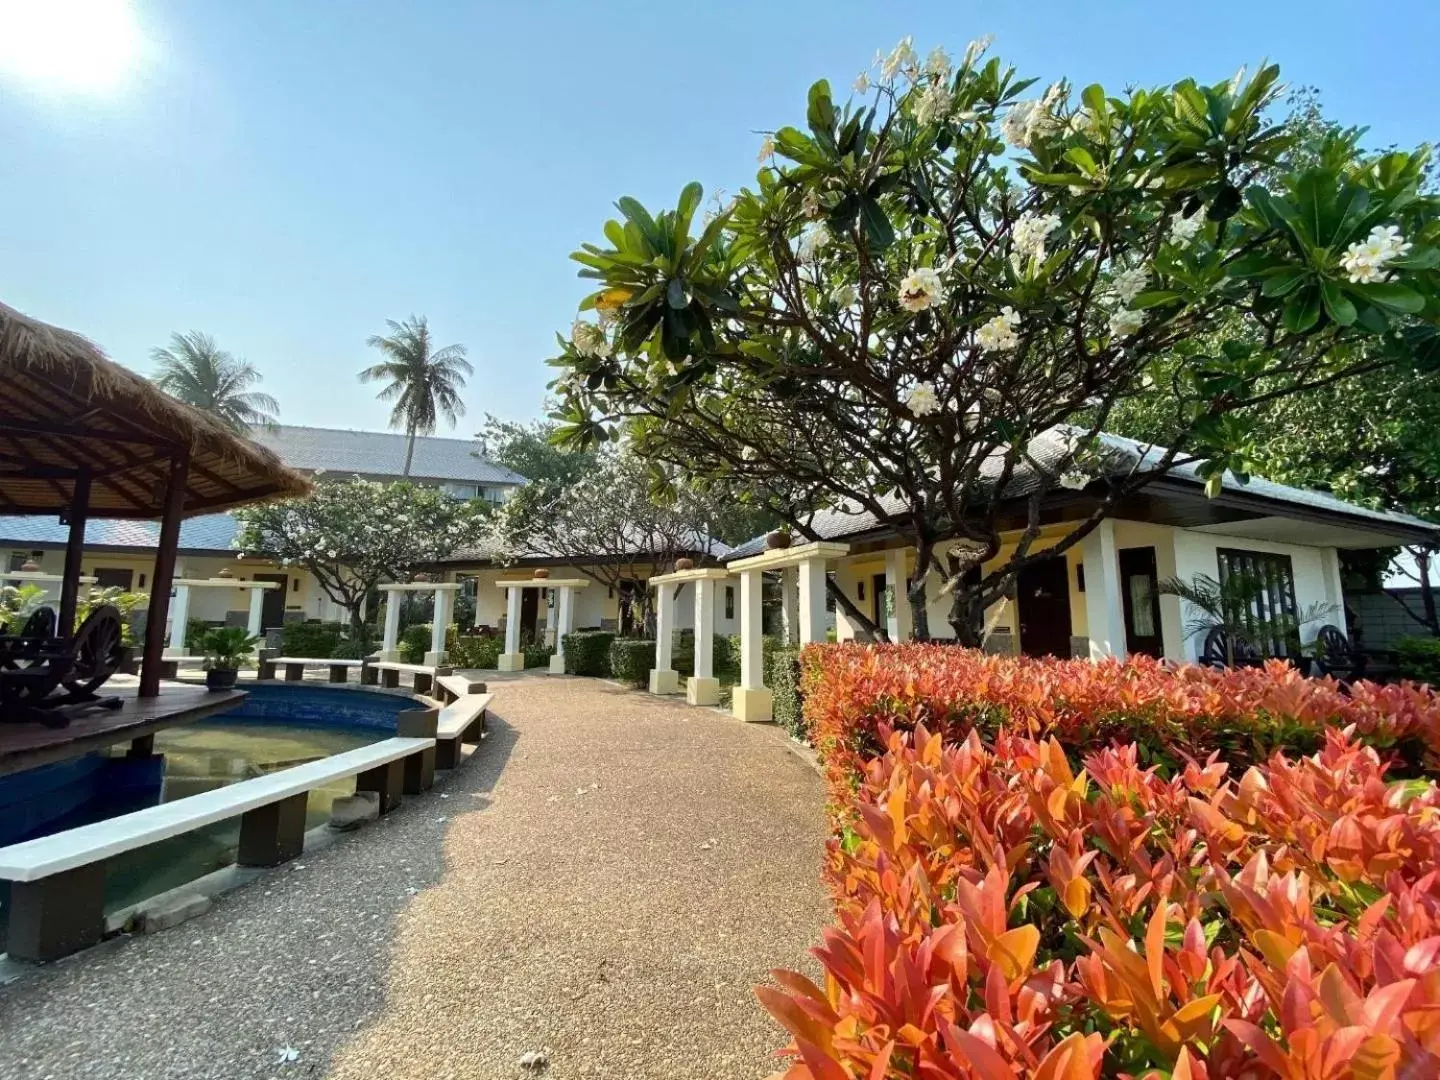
(65, 408)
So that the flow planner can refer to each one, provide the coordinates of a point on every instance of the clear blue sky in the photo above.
(285, 174)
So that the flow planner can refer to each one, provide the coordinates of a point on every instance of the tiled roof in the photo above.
(1124, 454)
(210, 532)
(488, 550)
(382, 453)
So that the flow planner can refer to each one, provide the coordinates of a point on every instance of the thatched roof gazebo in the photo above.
(81, 436)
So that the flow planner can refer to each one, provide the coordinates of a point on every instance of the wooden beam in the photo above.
(74, 551)
(164, 575)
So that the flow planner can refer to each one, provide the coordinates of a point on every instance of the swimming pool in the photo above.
(277, 726)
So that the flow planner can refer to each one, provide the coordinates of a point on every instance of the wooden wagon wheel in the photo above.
(98, 651)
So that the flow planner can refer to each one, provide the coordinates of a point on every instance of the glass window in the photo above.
(1260, 587)
(1142, 604)
(729, 601)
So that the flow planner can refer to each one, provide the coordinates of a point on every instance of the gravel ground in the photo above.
(607, 882)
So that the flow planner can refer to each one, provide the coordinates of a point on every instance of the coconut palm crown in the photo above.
(195, 370)
(422, 382)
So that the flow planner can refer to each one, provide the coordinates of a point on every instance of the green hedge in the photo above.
(587, 652)
(782, 676)
(474, 652)
(314, 640)
(537, 654)
(1419, 659)
(414, 643)
(631, 660)
(350, 649)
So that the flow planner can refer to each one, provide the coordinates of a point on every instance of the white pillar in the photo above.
(512, 659)
(790, 604)
(897, 624)
(438, 625)
(390, 639)
(811, 600)
(750, 700)
(1334, 592)
(703, 688)
(1172, 620)
(663, 678)
(257, 606)
(179, 617)
(1104, 614)
(565, 620)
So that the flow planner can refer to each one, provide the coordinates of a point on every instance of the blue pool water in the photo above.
(276, 727)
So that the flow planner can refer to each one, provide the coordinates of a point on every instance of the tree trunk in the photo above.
(409, 449)
(967, 618)
(853, 613)
(1427, 594)
(915, 594)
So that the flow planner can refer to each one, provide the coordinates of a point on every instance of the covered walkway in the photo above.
(608, 880)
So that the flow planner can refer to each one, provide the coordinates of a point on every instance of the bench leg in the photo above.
(368, 675)
(58, 915)
(387, 781)
(423, 682)
(273, 834)
(390, 678)
(420, 771)
(169, 669)
(447, 754)
(267, 670)
(294, 672)
(476, 731)
(339, 673)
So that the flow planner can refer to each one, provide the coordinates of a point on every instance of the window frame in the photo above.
(1276, 573)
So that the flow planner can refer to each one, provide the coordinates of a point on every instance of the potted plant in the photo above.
(227, 650)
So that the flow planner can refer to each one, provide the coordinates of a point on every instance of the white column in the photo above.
(790, 604)
(512, 659)
(750, 700)
(845, 580)
(663, 678)
(1334, 592)
(897, 625)
(1172, 621)
(179, 616)
(1104, 615)
(257, 605)
(390, 638)
(703, 688)
(811, 600)
(438, 625)
(564, 620)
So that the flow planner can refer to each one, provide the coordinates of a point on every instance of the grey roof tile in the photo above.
(382, 453)
(209, 532)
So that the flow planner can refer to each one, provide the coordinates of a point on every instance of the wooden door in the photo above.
(1140, 595)
(879, 610)
(272, 608)
(1043, 599)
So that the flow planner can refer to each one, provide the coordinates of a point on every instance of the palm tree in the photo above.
(1231, 608)
(423, 382)
(197, 371)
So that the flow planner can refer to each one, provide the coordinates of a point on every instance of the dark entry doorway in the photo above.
(1140, 595)
(272, 608)
(529, 613)
(879, 610)
(109, 577)
(1043, 598)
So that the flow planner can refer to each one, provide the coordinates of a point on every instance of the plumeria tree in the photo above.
(934, 296)
(617, 524)
(354, 534)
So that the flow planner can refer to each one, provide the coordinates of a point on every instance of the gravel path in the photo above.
(608, 881)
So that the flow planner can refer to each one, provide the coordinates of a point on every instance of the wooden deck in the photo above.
(24, 746)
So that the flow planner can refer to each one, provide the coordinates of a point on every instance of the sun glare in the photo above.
(71, 46)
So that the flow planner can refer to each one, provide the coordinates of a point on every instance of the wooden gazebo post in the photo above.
(164, 577)
(75, 516)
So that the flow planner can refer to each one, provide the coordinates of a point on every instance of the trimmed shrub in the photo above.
(631, 660)
(587, 652)
(349, 649)
(537, 654)
(727, 659)
(782, 676)
(1419, 659)
(311, 639)
(474, 651)
(414, 643)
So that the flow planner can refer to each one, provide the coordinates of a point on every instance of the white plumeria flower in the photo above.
(749, 453)
(1365, 261)
(976, 49)
(843, 296)
(811, 243)
(862, 83)
(902, 58)
(589, 339)
(1015, 126)
(998, 334)
(1183, 230)
(1126, 322)
(921, 289)
(810, 205)
(937, 64)
(922, 400)
(1074, 479)
(767, 149)
(933, 104)
(1129, 284)
(1031, 231)
(1391, 241)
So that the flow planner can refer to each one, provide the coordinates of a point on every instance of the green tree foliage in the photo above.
(355, 534)
(195, 370)
(531, 451)
(933, 283)
(422, 383)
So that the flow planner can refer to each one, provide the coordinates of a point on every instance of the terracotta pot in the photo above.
(419, 577)
(779, 539)
(684, 564)
(29, 566)
(224, 572)
(542, 573)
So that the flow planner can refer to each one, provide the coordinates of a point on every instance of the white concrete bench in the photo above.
(170, 665)
(390, 671)
(295, 667)
(462, 721)
(453, 687)
(58, 882)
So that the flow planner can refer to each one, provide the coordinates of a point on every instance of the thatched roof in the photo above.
(64, 406)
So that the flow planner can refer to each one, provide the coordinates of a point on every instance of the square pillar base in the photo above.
(664, 681)
(435, 659)
(557, 665)
(388, 656)
(511, 661)
(700, 691)
(750, 705)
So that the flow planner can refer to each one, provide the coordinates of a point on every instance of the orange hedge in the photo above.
(1004, 911)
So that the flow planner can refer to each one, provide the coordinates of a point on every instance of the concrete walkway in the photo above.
(608, 881)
